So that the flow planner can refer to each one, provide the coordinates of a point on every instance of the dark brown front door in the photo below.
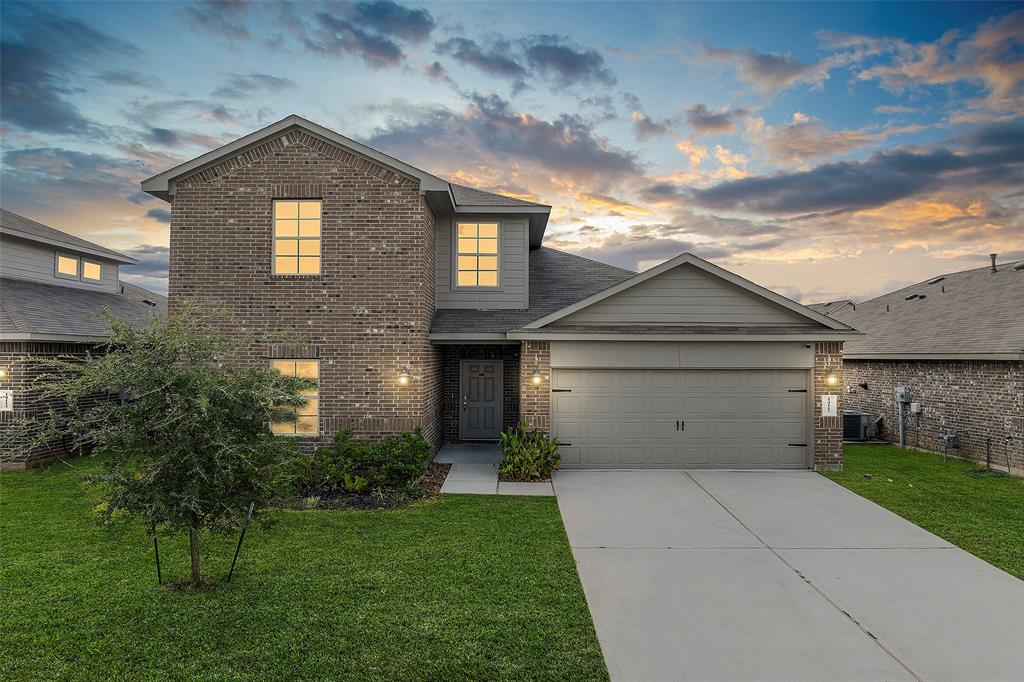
(481, 399)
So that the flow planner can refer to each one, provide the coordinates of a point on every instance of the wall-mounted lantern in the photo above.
(831, 378)
(536, 379)
(3, 372)
(404, 378)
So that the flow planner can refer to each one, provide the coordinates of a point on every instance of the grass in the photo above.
(461, 587)
(984, 516)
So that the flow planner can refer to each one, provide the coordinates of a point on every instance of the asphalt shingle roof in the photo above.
(829, 307)
(974, 311)
(18, 225)
(471, 196)
(557, 279)
(41, 309)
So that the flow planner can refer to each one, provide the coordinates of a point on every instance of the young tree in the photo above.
(185, 422)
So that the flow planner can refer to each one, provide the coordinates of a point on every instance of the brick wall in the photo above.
(828, 431)
(977, 399)
(535, 401)
(452, 357)
(365, 317)
(18, 357)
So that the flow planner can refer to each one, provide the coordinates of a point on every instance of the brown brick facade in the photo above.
(980, 400)
(18, 358)
(452, 357)
(535, 400)
(828, 431)
(365, 317)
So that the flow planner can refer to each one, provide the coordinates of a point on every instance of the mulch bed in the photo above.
(510, 479)
(430, 482)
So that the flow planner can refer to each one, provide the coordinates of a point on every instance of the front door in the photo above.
(481, 400)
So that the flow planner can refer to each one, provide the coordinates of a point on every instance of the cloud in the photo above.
(491, 131)
(160, 215)
(645, 127)
(707, 122)
(768, 73)
(42, 53)
(151, 270)
(990, 57)
(989, 156)
(127, 78)
(566, 64)
(238, 86)
(222, 18)
(389, 18)
(805, 138)
(335, 36)
(494, 60)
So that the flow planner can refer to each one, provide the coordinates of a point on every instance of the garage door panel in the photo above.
(732, 418)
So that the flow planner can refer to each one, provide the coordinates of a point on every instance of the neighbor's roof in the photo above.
(557, 279)
(969, 314)
(831, 307)
(32, 311)
(19, 226)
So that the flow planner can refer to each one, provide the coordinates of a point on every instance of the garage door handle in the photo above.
(680, 425)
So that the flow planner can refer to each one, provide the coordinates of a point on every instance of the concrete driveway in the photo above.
(727, 575)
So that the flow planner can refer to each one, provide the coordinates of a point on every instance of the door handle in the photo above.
(682, 425)
(677, 425)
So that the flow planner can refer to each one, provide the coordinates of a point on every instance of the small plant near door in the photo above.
(527, 455)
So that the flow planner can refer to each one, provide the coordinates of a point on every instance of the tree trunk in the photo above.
(193, 549)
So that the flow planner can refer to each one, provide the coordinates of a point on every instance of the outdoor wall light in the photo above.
(404, 378)
(3, 372)
(831, 378)
(536, 378)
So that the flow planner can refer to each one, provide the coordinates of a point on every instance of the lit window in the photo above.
(305, 421)
(67, 266)
(296, 237)
(477, 255)
(91, 271)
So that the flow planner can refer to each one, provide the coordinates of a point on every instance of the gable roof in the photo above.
(471, 196)
(830, 307)
(550, 290)
(811, 317)
(19, 226)
(973, 314)
(50, 312)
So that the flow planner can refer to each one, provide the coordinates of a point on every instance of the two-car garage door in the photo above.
(665, 418)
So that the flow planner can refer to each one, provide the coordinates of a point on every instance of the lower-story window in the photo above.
(305, 421)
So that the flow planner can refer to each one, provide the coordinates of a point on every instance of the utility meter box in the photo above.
(903, 394)
(915, 408)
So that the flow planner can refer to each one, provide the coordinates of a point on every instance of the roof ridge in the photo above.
(1008, 264)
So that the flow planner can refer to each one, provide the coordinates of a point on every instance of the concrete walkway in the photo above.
(475, 471)
(724, 575)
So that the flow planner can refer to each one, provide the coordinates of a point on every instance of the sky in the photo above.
(823, 150)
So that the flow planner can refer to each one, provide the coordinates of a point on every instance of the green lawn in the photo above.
(462, 587)
(984, 516)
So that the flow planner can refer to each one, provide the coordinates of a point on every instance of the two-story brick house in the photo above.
(420, 302)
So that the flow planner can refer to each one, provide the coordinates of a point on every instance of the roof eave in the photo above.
(161, 185)
(107, 254)
(51, 336)
(597, 335)
(1012, 356)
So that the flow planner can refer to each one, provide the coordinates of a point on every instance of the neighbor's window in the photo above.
(67, 266)
(477, 258)
(305, 421)
(91, 271)
(297, 237)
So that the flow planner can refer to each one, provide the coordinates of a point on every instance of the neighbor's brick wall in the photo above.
(365, 317)
(535, 401)
(452, 357)
(19, 357)
(828, 431)
(977, 399)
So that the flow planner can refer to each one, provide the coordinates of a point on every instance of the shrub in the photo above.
(357, 465)
(527, 454)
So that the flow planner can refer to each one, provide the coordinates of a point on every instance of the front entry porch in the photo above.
(481, 391)
(475, 471)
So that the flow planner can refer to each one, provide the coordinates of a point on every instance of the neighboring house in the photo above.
(957, 342)
(53, 287)
(832, 307)
(422, 303)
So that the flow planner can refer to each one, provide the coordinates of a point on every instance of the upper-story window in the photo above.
(297, 237)
(67, 266)
(91, 271)
(477, 255)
